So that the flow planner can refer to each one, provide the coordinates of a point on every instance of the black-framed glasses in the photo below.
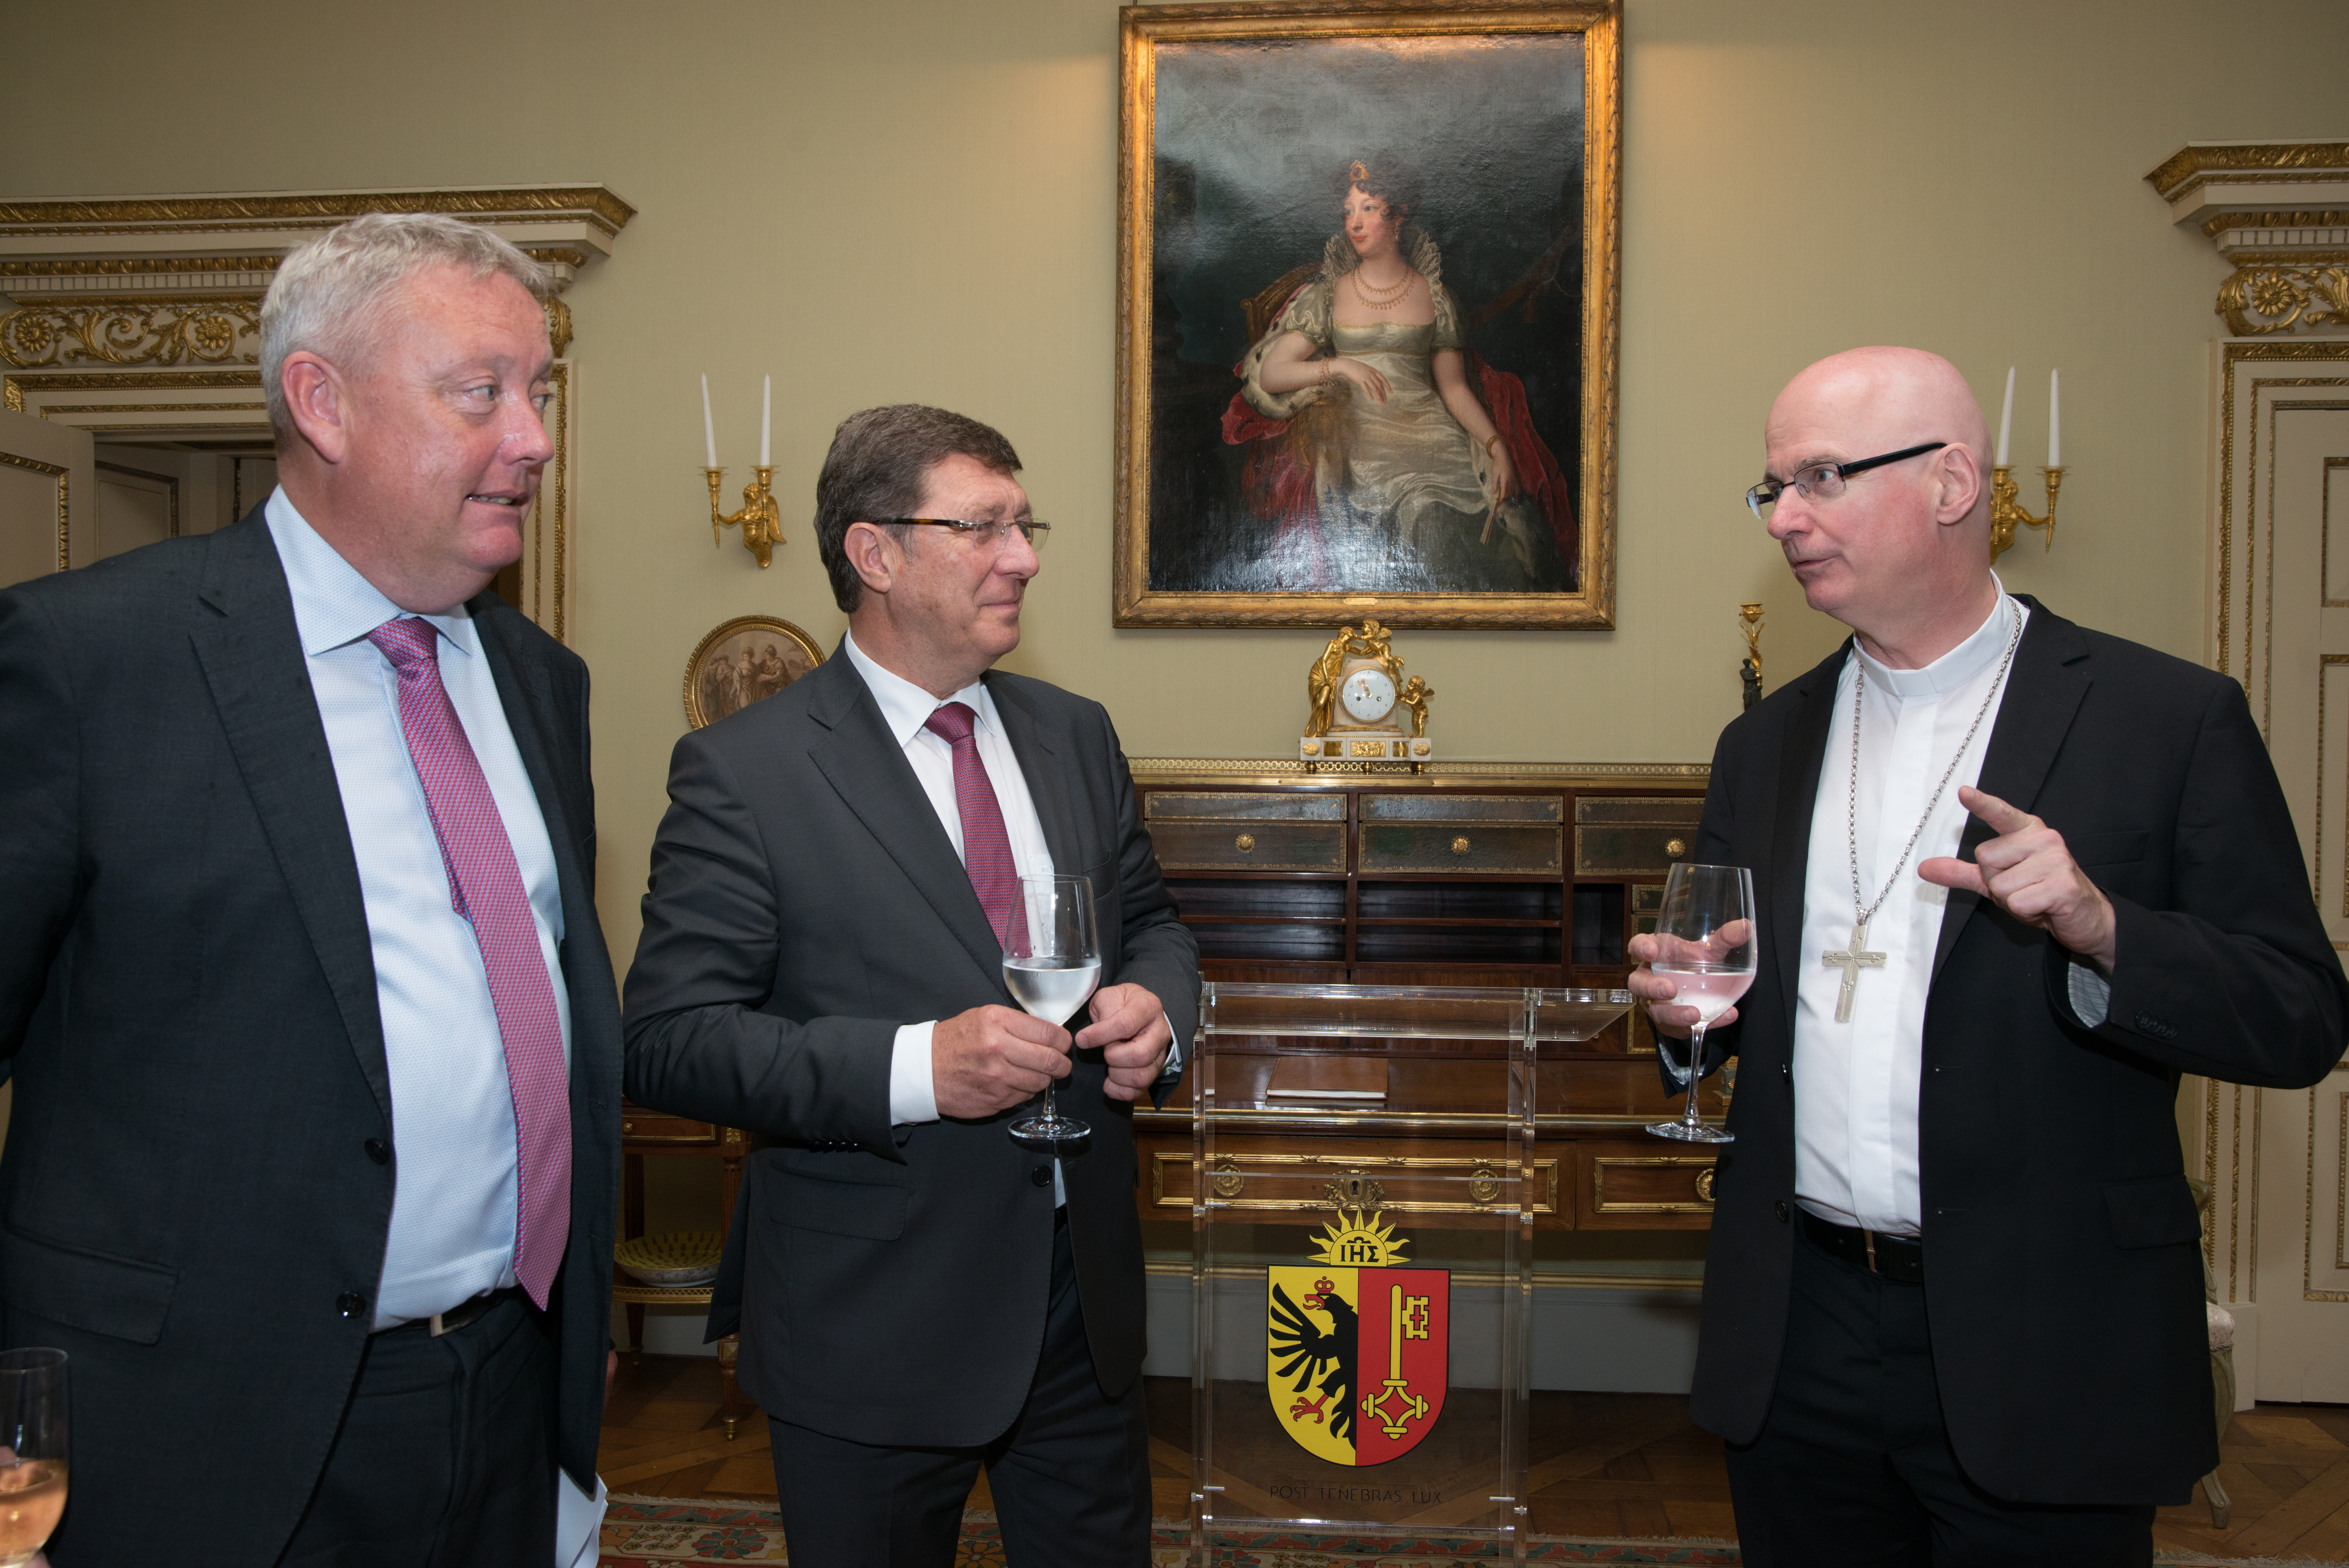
(993, 536)
(1824, 482)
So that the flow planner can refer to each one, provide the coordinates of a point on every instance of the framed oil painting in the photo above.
(1368, 263)
(741, 660)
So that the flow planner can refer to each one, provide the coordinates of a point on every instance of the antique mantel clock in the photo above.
(1360, 697)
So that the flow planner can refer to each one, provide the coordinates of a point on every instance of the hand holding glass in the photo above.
(1050, 968)
(1706, 946)
(33, 1433)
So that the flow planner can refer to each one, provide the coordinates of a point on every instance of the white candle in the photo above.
(708, 430)
(2054, 420)
(767, 418)
(2005, 419)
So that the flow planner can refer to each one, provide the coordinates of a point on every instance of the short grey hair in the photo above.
(331, 295)
(879, 466)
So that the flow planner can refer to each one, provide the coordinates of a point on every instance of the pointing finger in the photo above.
(2002, 818)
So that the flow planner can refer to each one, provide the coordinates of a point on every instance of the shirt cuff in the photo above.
(912, 1096)
(1173, 1067)
(2090, 994)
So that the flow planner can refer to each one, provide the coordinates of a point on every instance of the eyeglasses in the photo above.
(992, 536)
(1824, 482)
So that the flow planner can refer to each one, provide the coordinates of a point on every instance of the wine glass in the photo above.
(32, 1433)
(1706, 934)
(1051, 967)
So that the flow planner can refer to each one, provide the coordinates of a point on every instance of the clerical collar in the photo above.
(1955, 668)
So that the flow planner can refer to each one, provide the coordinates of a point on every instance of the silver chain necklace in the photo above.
(1852, 960)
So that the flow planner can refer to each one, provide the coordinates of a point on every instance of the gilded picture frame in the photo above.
(743, 661)
(1492, 135)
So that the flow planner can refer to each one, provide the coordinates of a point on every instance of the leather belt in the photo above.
(1901, 1259)
(464, 1315)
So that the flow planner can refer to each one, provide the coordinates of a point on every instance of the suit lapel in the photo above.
(1802, 751)
(251, 653)
(1039, 748)
(866, 767)
(2042, 693)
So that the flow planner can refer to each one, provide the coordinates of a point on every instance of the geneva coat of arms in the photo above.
(1357, 1350)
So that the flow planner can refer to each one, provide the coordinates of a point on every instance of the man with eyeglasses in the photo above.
(832, 891)
(2014, 877)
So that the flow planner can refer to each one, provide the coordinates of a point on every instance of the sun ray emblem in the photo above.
(1352, 1241)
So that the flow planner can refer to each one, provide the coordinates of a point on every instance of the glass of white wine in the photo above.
(33, 1442)
(1707, 933)
(1051, 967)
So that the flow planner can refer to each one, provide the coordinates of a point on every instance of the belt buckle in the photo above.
(1866, 1236)
(438, 1328)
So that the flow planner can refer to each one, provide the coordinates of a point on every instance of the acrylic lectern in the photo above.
(1361, 1312)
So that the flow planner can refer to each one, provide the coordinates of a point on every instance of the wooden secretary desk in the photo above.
(1467, 874)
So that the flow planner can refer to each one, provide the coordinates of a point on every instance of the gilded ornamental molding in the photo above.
(110, 302)
(2279, 214)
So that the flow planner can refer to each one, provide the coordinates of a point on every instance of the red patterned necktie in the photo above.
(485, 886)
(986, 846)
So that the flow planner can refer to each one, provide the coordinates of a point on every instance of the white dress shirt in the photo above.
(454, 1193)
(905, 708)
(1856, 1083)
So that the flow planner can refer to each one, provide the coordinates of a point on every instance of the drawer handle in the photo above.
(1245, 843)
(1228, 1178)
(1705, 1184)
(627, 1127)
(1460, 846)
(1675, 849)
(1484, 1185)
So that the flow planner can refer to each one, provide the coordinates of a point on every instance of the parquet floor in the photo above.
(1603, 1464)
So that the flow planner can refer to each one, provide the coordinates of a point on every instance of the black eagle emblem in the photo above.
(1291, 1334)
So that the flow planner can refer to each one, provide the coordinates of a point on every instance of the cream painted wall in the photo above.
(913, 198)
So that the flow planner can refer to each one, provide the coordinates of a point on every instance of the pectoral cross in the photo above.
(1851, 961)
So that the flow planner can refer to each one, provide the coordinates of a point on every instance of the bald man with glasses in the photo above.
(2014, 878)
(833, 889)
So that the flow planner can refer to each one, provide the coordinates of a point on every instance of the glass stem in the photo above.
(1696, 1073)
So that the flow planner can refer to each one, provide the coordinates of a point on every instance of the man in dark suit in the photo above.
(2014, 877)
(821, 963)
(314, 1160)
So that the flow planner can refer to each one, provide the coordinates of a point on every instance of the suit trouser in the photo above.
(446, 1455)
(1071, 1479)
(1854, 1466)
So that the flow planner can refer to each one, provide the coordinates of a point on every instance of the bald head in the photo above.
(1902, 556)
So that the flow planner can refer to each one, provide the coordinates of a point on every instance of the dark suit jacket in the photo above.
(2061, 1272)
(188, 997)
(806, 902)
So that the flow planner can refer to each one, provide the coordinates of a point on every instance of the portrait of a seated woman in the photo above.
(1383, 453)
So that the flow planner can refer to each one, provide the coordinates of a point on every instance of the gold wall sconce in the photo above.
(760, 522)
(1749, 668)
(2007, 511)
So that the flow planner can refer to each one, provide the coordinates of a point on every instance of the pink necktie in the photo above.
(485, 886)
(986, 846)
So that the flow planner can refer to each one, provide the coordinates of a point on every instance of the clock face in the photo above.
(1368, 695)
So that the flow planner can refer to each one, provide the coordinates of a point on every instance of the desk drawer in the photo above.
(1633, 837)
(1626, 1188)
(1233, 806)
(637, 1126)
(1546, 809)
(1459, 847)
(1250, 845)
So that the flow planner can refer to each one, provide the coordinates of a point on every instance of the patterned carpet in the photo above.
(657, 1532)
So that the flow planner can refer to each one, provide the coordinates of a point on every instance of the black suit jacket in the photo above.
(806, 902)
(188, 1000)
(2061, 1272)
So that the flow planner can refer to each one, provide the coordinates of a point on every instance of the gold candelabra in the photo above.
(2006, 510)
(760, 522)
